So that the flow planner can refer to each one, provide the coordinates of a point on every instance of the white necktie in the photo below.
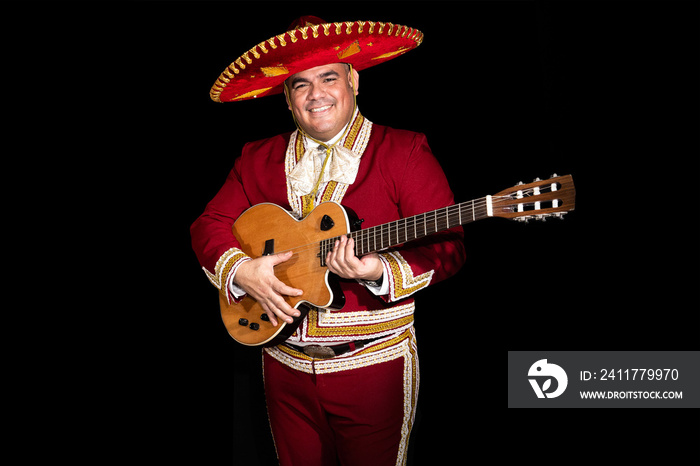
(342, 167)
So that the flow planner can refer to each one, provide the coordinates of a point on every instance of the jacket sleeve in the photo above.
(422, 187)
(213, 242)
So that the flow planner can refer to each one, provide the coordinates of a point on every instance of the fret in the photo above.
(438, 226)
(381, 237)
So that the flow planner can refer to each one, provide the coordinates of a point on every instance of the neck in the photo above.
(381, 237)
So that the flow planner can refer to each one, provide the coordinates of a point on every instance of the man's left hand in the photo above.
(343, 262)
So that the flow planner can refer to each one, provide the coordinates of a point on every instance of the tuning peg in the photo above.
(536, 179)
(554, 175)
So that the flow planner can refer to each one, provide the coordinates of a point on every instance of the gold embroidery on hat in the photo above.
(280, 37)
(255, 52)
(391, 54)
(247, 58)
(360, 26)
(381, 27)
(239, 62)
(348, 29)
(352, 49)
(314, 29)
(254, 93)
(270, 71)
(338, 28)
(272, 43)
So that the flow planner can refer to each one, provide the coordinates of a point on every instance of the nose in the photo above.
(315, 92)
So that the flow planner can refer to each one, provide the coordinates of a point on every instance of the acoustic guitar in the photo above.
(266, 229)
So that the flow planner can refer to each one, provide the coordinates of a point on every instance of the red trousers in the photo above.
(357, 417)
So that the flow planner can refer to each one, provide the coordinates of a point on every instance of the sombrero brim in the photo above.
(261, 71)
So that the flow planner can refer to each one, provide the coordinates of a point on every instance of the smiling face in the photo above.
(322, 99)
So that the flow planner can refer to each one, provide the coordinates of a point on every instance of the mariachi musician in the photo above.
(343, 386)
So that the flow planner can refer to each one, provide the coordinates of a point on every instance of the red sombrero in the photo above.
(311, 42)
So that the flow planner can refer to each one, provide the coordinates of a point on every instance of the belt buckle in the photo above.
(319, 352)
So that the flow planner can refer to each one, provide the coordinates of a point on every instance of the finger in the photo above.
(339, 251)
(281, 307)
(332, 254)
(286, 290)
(281, 257)
(349, 250)
(270, 314)
(334, 260)
(275, 311)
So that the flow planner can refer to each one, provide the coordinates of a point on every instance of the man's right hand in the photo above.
(257, 278)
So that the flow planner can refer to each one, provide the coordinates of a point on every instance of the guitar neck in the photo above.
(407, 229)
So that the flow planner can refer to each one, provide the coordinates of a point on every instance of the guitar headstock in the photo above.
(537, 200)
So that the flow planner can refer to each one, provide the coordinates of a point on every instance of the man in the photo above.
(343, 387)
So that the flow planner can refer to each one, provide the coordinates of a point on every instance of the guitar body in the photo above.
(269, 229)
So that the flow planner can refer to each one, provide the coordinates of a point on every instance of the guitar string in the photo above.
(393, 228)
(400, 227)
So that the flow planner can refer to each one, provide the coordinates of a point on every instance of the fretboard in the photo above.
(407, 229)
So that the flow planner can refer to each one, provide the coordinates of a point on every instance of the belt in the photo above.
(326, 352)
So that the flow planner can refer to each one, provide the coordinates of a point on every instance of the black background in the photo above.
(120, 138)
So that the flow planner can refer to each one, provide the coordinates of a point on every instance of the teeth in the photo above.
(320, 109)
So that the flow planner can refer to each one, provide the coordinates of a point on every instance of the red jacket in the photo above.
(398, 177)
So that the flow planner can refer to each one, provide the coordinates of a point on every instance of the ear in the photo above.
(354, 78)
(286, 97)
